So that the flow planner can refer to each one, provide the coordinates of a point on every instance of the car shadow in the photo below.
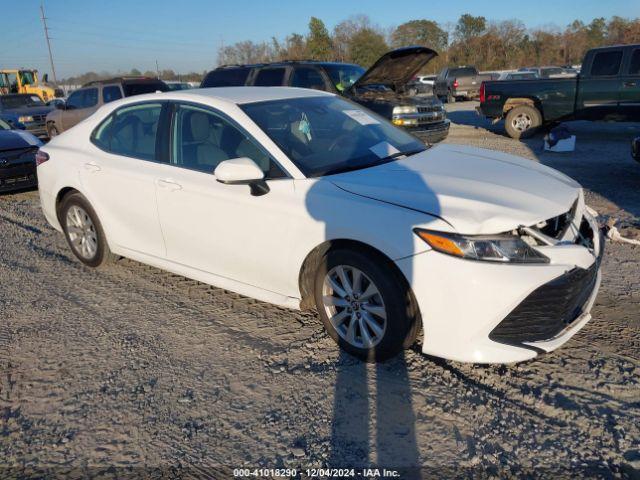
(373, 422)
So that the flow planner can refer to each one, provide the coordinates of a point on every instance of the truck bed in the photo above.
(558, 95)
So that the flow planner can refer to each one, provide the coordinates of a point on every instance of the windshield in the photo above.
(344, 75)
(27, 77)
(19, 101)
(327, 135)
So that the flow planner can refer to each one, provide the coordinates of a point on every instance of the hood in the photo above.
(15, 139)
(396, 68)
(476, 191)
(40, 110)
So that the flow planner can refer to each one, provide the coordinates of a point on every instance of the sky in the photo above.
(184, 35)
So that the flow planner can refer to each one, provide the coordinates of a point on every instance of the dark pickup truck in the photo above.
(458, 83)
(607, 88)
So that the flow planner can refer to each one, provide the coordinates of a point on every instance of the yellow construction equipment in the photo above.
(26, 81)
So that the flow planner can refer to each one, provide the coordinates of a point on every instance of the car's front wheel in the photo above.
(52, 130)
(365, 304)
(83, 231)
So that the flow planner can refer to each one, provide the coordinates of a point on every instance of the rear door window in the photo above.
(111, 93)
(606, 63)
(131, 131)
(75, 100)
(634, 65)
(270, 77)
(226, 77)
(305, 77)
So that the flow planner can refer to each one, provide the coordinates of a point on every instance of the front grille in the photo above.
(429, 109)
(39, 118)
(549, 309)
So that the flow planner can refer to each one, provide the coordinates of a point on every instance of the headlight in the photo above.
(25, 118)
(498, 248)
(406, 109)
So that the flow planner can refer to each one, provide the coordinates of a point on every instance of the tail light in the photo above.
(455, 83)
(482, 94)
(41, 157)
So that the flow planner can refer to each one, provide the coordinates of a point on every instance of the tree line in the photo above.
(472, 40)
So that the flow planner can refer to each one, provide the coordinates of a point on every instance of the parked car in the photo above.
(607, 88)
(25, 111)
(460, 83)
(517, 76)
(550, 72)
(381, 88)
(303, 198)
(635, 149)
(86, 100)
(17, 158)
(178, 85)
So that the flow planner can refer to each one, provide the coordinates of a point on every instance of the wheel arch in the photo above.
(514, 102)
(61, 195)
(311, 263)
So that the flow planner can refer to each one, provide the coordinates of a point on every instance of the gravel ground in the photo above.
(131, 371)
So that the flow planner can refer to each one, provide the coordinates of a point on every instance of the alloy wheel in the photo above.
(521, 122)
(354, 306)
(82, 232)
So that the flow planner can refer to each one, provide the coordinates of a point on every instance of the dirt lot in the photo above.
(116, 372)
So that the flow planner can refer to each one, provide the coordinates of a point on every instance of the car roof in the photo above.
(131, 79)
(283, 63)
(236, 95)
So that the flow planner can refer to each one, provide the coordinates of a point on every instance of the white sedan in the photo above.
(304, 199)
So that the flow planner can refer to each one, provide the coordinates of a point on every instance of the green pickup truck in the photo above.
(607, 88)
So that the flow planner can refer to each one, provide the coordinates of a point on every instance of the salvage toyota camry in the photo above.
(306, 200)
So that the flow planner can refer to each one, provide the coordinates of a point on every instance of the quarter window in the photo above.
(270, 77)
(606, 63)
(131, 131)
(111, 93)
(203, 139)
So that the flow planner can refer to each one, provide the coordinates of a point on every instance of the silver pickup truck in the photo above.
(458, 83)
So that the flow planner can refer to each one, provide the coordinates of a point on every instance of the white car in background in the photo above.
(304, 199)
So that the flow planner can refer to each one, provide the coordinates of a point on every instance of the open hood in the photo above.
(397, 67)
(476, 191)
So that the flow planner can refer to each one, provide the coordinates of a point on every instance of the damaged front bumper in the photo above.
(483, 312)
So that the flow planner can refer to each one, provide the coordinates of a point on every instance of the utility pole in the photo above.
(46, 35)
(157, 69)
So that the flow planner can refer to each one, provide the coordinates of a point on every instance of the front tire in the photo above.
(365, 305)
(83, 231)
(52, 130)
(522, 121)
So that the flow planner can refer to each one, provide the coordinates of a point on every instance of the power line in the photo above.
(46, 35)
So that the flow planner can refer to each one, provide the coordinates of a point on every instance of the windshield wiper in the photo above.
(408, 153)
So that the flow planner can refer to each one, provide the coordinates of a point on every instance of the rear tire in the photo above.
(83, 231)
(450, 97)
(522, 121)
(365, 304)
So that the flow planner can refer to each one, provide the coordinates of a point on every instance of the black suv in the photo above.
(381, 88)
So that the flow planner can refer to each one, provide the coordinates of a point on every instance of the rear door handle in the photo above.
(169, 184)
(92, 167)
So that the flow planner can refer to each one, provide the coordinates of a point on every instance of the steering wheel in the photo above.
(339, 140)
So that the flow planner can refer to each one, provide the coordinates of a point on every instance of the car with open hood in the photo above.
(305, 199)
(383, 88)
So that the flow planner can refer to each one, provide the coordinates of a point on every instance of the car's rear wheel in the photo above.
(365, 305)
(450, 97)
(83, 231)
(522, 121)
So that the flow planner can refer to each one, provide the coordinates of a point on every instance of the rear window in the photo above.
(462, 72)
(269, 77)
(606, 63)
(138, 88)
(227, 77)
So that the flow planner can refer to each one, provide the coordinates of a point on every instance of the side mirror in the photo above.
(635, 149)
(242, 171)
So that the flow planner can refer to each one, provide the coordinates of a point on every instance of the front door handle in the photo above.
(169, 184)
(630, 84)
(92, 167)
